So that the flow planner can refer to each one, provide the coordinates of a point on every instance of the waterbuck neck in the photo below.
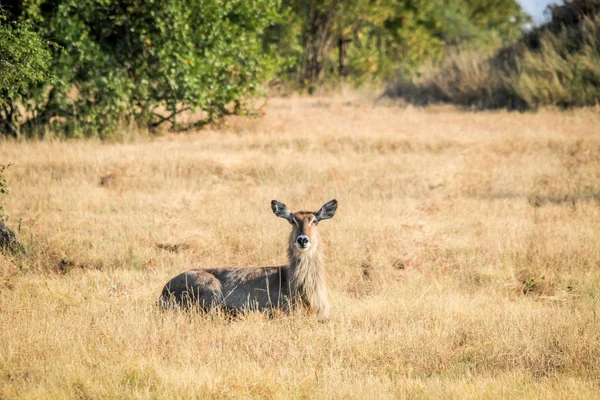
(307, 277)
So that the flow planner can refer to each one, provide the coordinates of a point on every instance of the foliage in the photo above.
(125, 60)
(24, 62)
(561, 72)
(366, 40)
(556, 64)
(86, 67)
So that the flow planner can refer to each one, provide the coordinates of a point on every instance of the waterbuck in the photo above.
(300, 284)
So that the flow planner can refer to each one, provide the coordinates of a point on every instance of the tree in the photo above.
(147, 61)
(366, 39)
(24, 62)
(314, 28)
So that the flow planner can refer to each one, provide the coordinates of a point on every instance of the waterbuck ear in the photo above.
(327, 211)
(281, 210)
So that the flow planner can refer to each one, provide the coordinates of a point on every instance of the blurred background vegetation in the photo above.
(87, 67)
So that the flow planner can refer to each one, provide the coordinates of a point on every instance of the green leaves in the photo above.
(24, 62)
(125, 60)
(384, 36)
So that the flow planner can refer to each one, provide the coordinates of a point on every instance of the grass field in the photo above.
(464, 259)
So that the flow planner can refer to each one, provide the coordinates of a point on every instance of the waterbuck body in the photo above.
(300, 284)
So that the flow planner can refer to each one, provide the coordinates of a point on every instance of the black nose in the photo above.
(302, 241)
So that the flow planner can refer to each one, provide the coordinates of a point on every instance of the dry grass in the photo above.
(464, 257)
(555, 64)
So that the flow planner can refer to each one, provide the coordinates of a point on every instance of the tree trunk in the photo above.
(7, 121)
(313, 66)
(343, 58)
(317, 40)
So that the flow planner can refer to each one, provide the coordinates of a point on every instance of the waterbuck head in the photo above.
(304, 224)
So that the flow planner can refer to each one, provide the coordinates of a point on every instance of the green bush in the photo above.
(369, 40)
(556, 64)
(564, 70)
(24, 62)
(123, 61)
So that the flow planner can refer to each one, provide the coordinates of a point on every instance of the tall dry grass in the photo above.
(464, 257)
(556, 64)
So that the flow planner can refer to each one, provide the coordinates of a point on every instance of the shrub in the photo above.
(367, 40)
(555, 64)
(564, 70)
(124, 60)
(24, 62)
